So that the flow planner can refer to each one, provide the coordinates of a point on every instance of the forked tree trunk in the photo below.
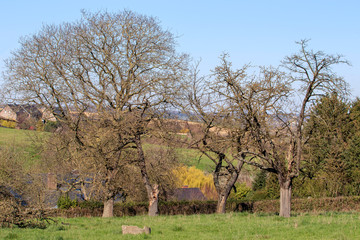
(108, 208)
(224, 189)
(285, 199)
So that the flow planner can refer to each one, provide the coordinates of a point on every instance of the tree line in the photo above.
(125, 68)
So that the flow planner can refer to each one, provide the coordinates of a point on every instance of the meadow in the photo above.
(17, 137)
(225, 226)
(27, 142)
(30, 142)
(192, 157)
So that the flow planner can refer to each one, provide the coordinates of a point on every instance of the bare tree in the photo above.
(218, 135)
(313, 70)
(113, 69)
(273, 122)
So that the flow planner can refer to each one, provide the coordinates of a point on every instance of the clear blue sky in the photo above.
(256, 32)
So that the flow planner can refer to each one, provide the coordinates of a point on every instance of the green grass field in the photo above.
(188, 157)
(28, 141)
(227, 226)
(25, 141)
(193, 157)
(15, 137)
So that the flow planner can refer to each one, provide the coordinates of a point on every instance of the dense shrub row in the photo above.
(338, 204)
(7, 123)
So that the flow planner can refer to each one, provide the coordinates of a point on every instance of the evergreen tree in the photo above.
(328, 130)
(351, 155)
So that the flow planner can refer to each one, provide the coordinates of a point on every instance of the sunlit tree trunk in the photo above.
(154, 201)
(285, 198)
(221, 205)
(108, 208)
(152, 191)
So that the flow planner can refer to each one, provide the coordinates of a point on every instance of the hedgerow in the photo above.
(314, 205)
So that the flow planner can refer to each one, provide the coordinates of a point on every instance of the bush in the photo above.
(27, 124)
(9, 209)
(90, 204)
(51, 126)
(13, 214)
(64, 202)
(339, 204)
(272, 187)
(260, 180)
(258, 195)
(242, 191)
(7, 123)
(39, 126)
(195, 178)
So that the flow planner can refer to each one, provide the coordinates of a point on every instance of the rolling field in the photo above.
(24, 141)
(192, 157)
(30, 141)
(227, 226)
(16, 137)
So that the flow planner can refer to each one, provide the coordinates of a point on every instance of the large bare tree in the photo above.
(121, 67)
(271, 116)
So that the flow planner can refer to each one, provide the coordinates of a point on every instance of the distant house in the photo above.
(20, 113)
(188, 194)
(47, 115)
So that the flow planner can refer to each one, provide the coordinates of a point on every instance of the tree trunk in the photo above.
(108, 208)
(285, 199)
(152, 191)
(224, 188)
(154, 201)
(221, 205)
(224, 191)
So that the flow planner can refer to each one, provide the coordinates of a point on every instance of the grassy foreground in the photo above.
(227, 226)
